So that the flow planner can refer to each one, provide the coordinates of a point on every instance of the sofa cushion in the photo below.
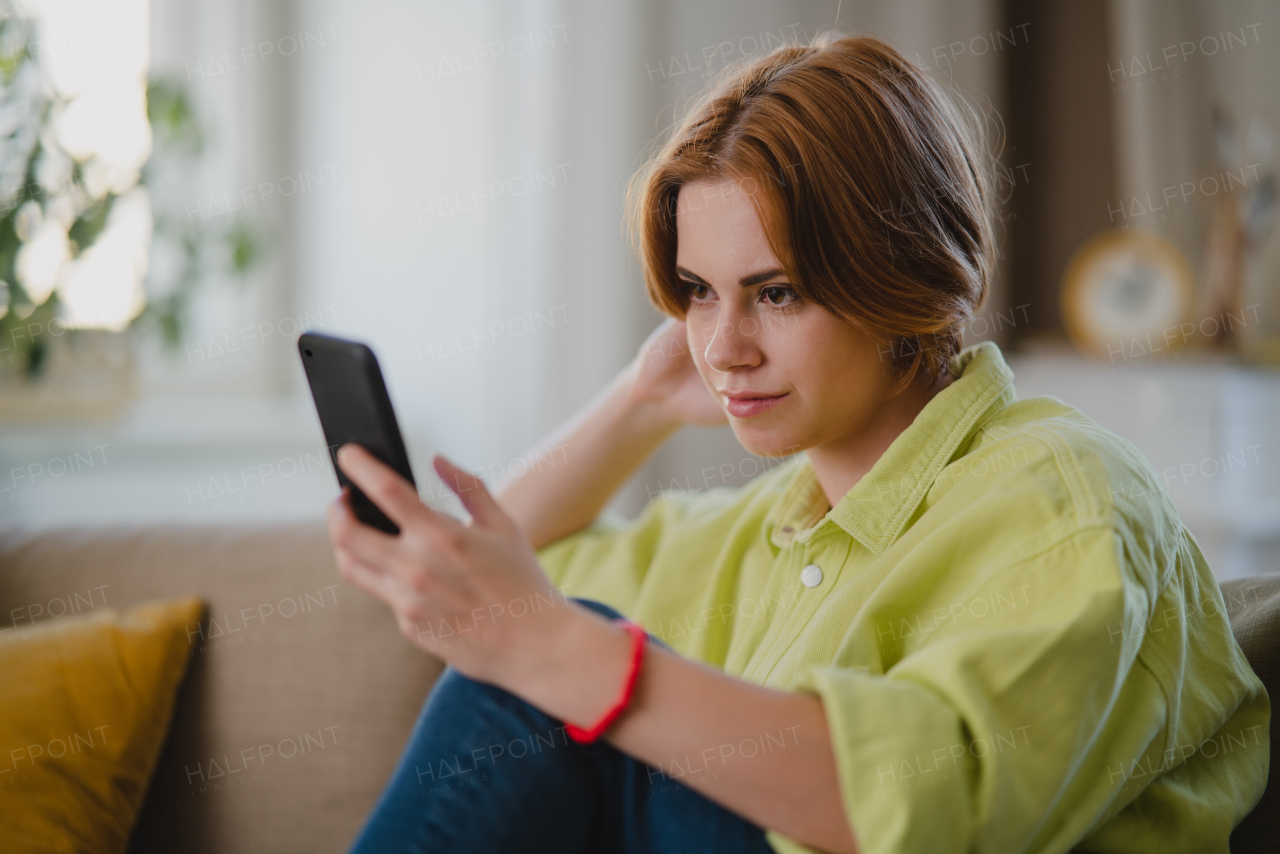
(1253, 605)
(87, 703)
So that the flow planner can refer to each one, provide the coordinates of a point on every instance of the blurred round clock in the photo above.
(1125, 295)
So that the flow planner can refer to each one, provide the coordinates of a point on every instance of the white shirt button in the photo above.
(811, 575)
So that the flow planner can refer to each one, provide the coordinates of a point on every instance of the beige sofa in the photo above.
(291, 658)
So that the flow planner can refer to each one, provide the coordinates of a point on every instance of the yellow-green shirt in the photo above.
(1018, 644)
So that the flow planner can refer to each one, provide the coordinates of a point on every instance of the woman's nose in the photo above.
(733, 343)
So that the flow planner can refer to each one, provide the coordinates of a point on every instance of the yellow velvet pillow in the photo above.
(85, 703)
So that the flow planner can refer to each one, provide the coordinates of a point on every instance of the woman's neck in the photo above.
(839, 467)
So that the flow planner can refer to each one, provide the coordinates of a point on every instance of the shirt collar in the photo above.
(877, 508)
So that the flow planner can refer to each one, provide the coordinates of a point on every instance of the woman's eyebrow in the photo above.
(745, 281)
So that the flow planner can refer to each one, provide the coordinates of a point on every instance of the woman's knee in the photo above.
(458, 700)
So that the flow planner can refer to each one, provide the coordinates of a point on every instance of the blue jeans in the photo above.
(484, 771)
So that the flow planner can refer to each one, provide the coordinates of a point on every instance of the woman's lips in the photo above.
(754, 406)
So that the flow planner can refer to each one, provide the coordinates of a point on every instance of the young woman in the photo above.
(949, 620)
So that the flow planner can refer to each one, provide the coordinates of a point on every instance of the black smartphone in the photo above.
(352, 402)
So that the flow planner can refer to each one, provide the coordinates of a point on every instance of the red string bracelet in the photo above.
(638, 638)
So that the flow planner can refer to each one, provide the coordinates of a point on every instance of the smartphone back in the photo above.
(352, 402)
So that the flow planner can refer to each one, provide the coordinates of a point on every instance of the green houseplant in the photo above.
(49, 196)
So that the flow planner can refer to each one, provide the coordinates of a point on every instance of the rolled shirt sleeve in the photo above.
(1012, 730)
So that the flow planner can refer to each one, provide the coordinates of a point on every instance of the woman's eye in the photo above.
(693, 289)
(781, 293)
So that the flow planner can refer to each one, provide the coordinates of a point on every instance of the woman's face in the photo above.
(750, 335)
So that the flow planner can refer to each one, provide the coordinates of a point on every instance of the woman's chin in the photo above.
(765, 443)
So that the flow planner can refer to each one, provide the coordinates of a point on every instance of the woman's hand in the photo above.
(472, 594)
(664, 374)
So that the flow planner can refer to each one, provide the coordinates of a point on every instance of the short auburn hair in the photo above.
(870, 183)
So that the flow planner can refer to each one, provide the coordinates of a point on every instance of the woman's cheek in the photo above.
(698, 354)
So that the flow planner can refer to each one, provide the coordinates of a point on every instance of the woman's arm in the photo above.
(594, 452)
(688, 720)
(762, 753)
(454, 588)
(579, 466)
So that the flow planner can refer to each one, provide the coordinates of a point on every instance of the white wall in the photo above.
(478, 209)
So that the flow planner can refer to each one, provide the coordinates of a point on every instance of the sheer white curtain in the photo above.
(476, 235)
(444, 180)
(228, 55)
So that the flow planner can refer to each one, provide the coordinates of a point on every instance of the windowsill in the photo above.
(169, 460)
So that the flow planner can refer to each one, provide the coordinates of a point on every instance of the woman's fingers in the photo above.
(384, 486)
(473, 493)
(444, 569)
(367, 544)
(384, 585)
(394, 495)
